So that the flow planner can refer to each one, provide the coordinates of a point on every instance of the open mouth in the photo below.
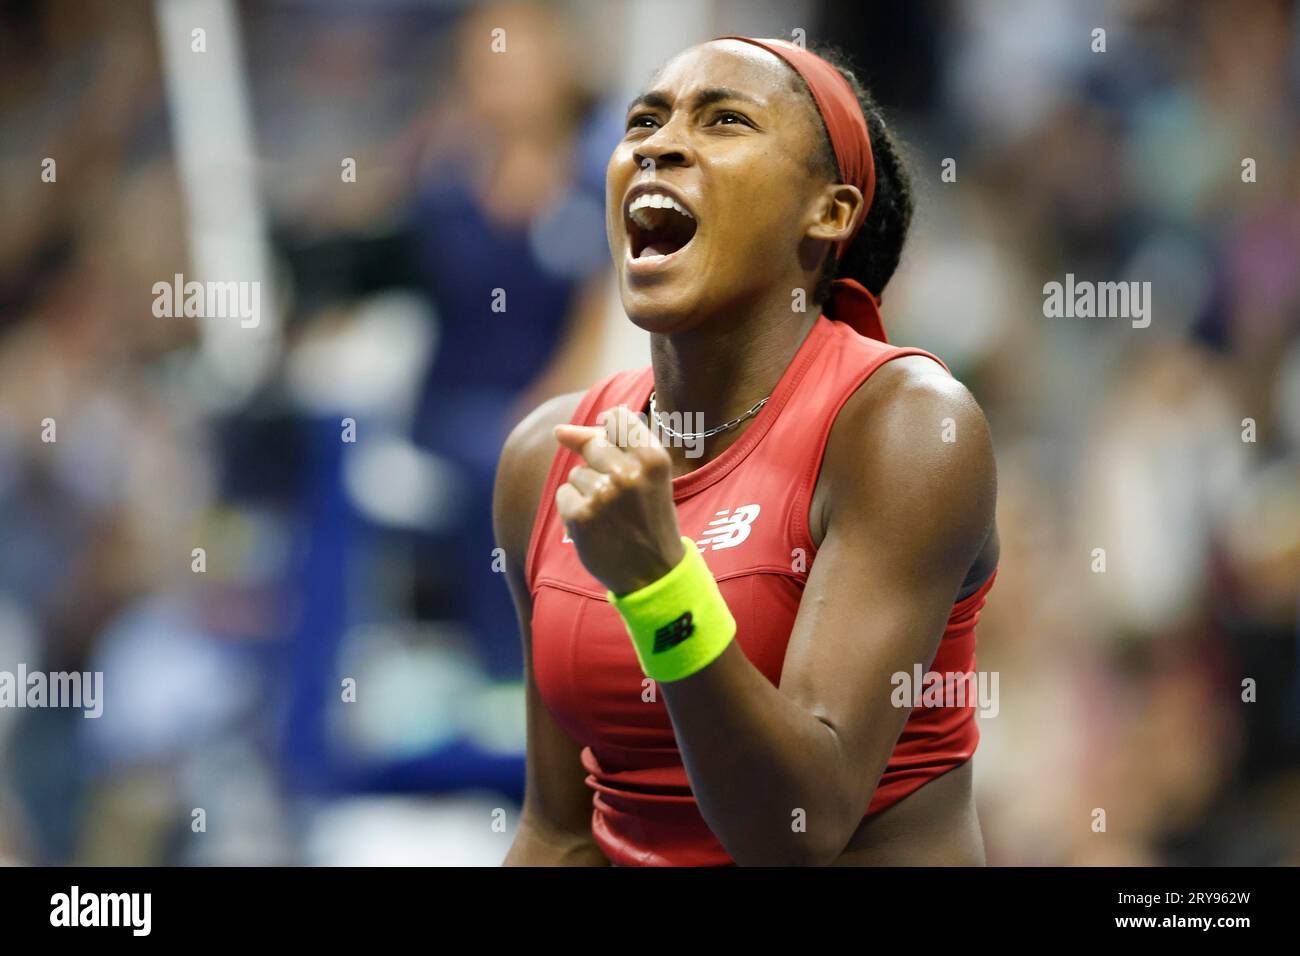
(658, 225)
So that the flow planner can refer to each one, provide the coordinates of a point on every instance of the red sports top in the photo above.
(748, 511)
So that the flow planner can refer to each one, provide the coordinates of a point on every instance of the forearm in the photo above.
(767, 774)
(535, 845)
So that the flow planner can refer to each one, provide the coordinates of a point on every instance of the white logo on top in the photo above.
(728, 529)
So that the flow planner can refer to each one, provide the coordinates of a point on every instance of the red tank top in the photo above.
(748, 511)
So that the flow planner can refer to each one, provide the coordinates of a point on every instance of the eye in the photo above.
(641, 121)
(729, 118)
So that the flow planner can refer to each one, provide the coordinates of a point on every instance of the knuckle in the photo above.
(657, 462)
(627, 477)
(606, 488)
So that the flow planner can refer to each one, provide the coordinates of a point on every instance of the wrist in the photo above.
(678, 623)
(676, 553)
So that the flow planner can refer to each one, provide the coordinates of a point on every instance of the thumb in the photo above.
(574, 437)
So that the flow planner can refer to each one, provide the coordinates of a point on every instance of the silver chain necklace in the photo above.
(696, 436)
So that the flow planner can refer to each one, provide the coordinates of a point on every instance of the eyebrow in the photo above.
(707, 97)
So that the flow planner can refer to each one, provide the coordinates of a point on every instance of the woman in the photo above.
(728, 698)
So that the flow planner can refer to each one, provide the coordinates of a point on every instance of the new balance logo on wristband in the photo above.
(673, 633)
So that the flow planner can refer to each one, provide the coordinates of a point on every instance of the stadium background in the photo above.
(478, 170)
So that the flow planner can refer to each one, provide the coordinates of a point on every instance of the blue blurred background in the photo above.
(479, 169)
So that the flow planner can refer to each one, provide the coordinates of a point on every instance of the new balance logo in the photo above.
(673, 633)
(728, 529)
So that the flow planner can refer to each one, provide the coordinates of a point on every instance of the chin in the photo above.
(659, 310)
(664, 294)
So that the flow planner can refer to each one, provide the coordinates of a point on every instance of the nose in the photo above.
(663, 148)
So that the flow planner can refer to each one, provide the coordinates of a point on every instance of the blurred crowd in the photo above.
(1144, 623)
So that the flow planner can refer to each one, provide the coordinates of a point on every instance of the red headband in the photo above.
(850, 301)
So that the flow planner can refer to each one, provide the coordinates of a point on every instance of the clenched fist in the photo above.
(618, 507)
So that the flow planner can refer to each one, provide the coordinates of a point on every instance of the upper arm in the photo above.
(907, 514)
(556, 798)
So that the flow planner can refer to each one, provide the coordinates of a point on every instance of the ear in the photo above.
(836, 211)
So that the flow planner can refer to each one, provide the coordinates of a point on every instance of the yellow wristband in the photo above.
(680, 623)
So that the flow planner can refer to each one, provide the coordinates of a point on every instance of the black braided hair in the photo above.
(874, 253)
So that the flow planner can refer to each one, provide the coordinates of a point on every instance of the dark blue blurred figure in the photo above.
(510, 243)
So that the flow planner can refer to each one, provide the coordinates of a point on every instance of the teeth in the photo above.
(655, 201)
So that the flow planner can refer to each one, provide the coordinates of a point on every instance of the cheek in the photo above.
(617, 174)
(761, 212)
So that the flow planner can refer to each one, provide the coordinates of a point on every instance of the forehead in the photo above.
(732, 64)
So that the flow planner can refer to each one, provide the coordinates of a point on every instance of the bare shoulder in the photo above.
(521, 473)
(910, 396)
(912, 447)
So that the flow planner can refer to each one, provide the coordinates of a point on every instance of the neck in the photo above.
(717, 370)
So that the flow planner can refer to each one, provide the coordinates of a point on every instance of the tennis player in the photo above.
(722, 624)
